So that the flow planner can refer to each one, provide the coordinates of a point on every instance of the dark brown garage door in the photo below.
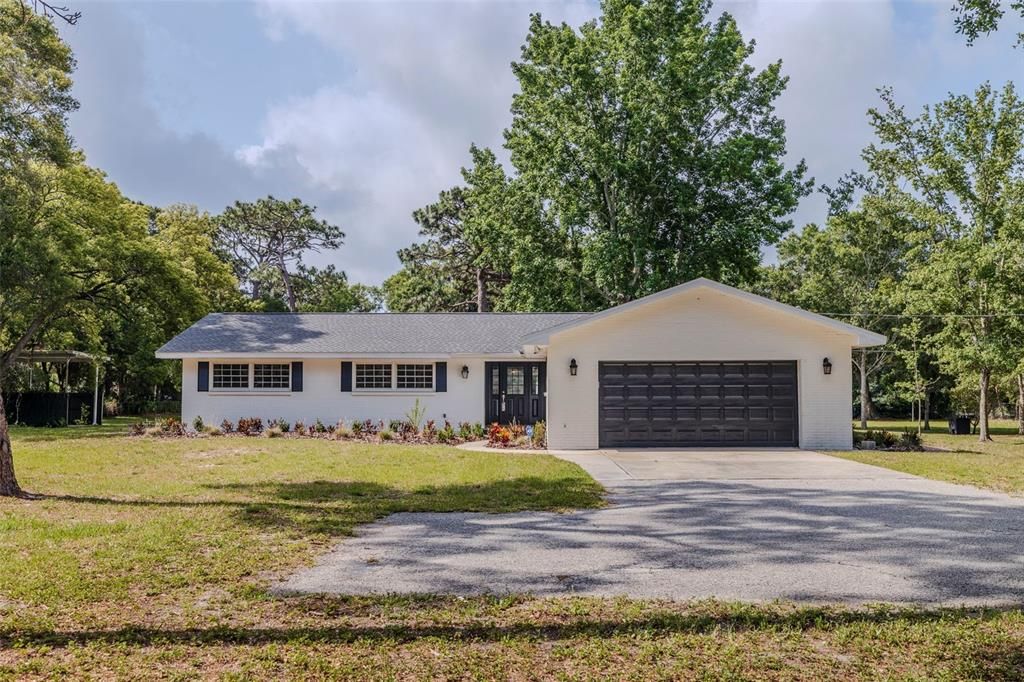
(697, 403)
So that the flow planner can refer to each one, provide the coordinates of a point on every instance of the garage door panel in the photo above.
(759, 413)
(785, 414)
(695, 403)
(734, 414)
(685, 414)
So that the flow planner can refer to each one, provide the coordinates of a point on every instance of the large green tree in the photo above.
(852, 268)
(154, 309)
(327, 290)
(957, 171)
(269, 237)
(477, 241)
(76, 252)
(655, 145)
(35, 99)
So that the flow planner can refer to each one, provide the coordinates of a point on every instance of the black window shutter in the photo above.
(297, 376)
(204, 376)
(441, 377)
(346, 377)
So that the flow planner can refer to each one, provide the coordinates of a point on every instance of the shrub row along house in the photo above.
(700, 364)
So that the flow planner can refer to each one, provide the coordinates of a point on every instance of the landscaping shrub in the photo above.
(429, 432)
(250, 426)
(499, 436)
(171, 427)
(386, 434)
(300, 428)
(910, 440)
(415, 415)
(446, 434)
(198, 425)
(318, 427)
(137, 429)
(226, 426)
(407, 430)
(357, 428)
(907, 441)
(273, 432)
(395, 425)
(540, 435)
(280, 424)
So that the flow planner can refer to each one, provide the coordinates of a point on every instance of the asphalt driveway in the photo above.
(750, 525)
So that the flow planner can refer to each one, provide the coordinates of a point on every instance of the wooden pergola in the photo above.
(32, 356)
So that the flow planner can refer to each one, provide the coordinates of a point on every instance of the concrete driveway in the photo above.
(750, 525)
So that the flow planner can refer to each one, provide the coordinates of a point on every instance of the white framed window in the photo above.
(415, 376)
(374, 376)
(394, 376)
(271, 377)
(230, 376)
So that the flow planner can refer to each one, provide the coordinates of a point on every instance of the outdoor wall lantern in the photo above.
(573, 367)
(826, 365)
(465, 371)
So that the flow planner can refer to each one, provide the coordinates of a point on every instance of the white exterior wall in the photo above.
(321, 397)
(700, 325)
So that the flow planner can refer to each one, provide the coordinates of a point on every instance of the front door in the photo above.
(515, 392)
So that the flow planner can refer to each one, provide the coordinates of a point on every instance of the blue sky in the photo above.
(367, 109)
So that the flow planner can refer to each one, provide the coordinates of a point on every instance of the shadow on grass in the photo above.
(335, 507)
(33, 434)
(409, 619)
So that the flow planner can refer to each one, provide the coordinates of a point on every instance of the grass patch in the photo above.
(997, 464)
(150, 558)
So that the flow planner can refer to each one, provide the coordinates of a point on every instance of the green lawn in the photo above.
(997, 464)
(151, 558)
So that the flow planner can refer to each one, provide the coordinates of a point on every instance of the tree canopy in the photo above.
(265, 238)
(646, 151)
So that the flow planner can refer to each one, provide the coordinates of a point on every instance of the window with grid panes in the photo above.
(267, 376)
(419, 376)
(373, 376)
(230, 376)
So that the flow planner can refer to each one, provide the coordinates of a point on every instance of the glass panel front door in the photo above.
(515, 392)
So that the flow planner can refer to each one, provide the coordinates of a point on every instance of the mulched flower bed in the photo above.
(368, 430)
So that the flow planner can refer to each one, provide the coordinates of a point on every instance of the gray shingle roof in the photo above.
(361, 333)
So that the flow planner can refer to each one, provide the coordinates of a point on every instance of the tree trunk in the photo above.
(986, 375)
(865, 399)
(8, 482)
(289, 292)
(481, 291)
(1020, 403)
(927, 411)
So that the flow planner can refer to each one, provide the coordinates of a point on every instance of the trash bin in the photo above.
(960, 425)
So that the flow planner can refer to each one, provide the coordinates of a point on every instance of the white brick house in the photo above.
(700, 364)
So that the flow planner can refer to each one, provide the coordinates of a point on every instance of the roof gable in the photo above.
(861, 337)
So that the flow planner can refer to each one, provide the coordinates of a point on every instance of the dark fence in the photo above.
(49, 409)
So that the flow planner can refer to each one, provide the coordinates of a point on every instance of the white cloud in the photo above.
(382, 119)
(426, 80)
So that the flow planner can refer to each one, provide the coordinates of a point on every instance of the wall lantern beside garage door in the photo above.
(826, 366)
(573, 367)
